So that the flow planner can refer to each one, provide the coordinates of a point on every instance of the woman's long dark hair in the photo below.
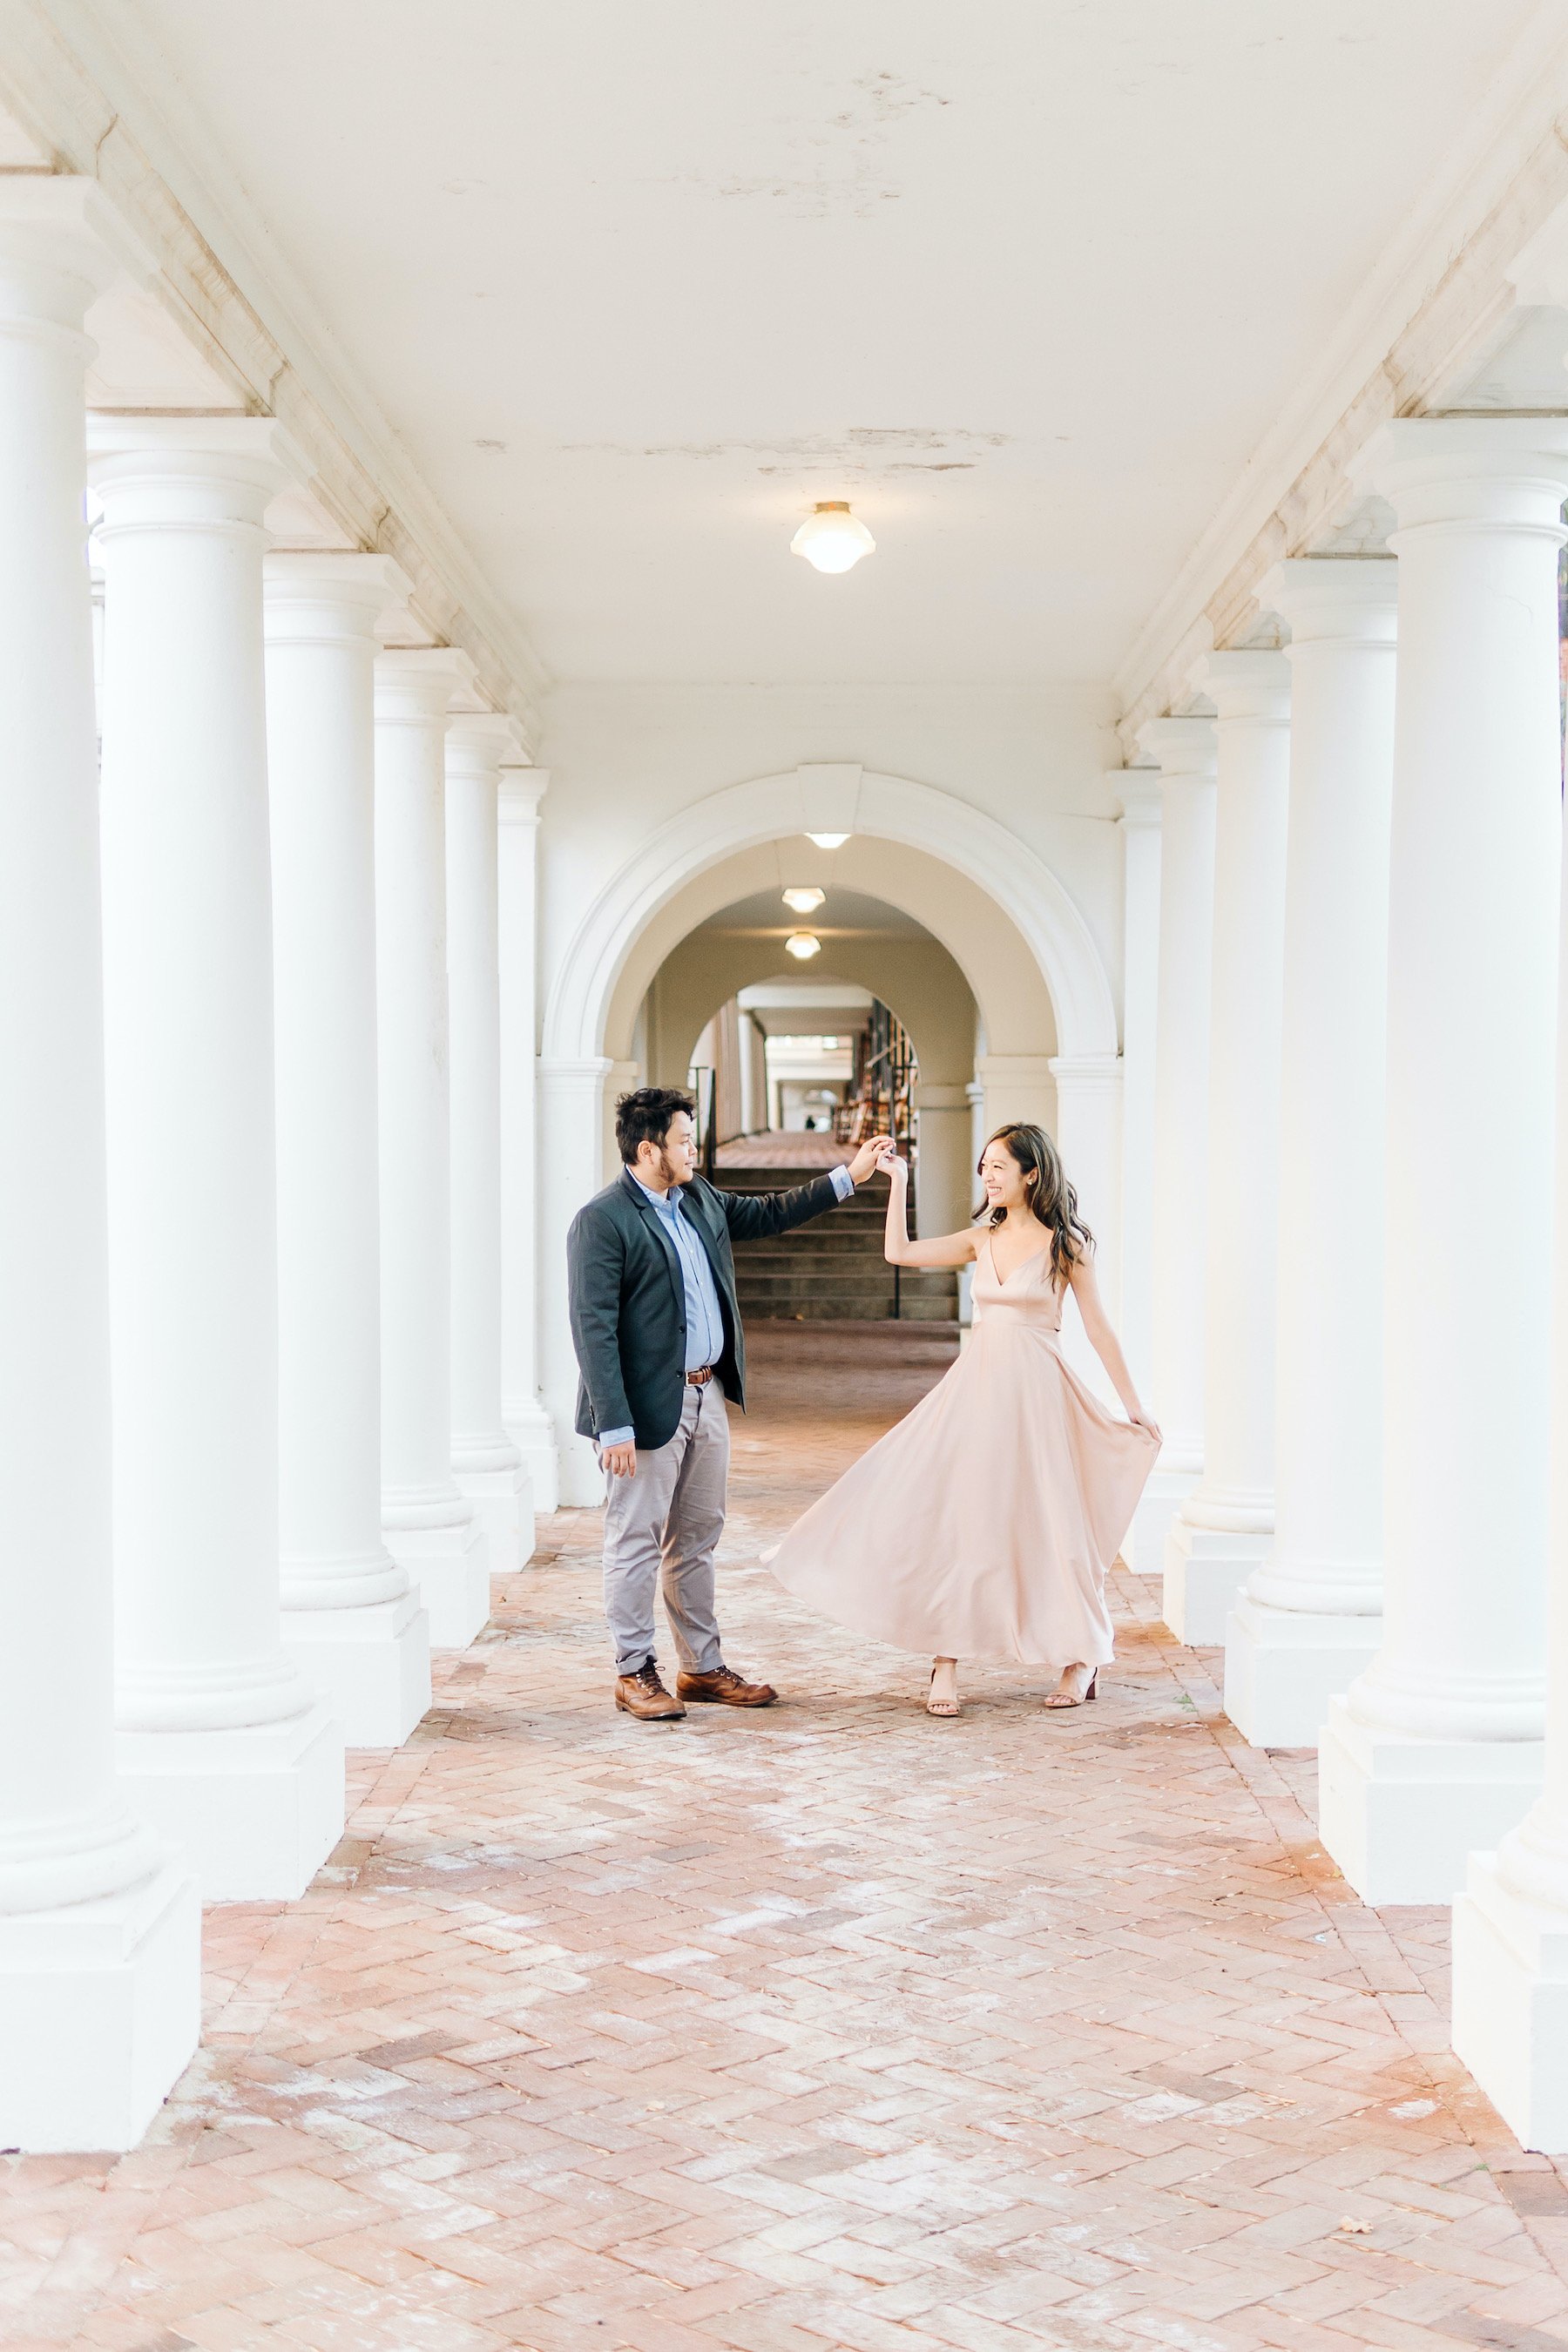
(1051, 1197)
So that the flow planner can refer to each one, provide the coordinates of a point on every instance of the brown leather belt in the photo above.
(700, 1376)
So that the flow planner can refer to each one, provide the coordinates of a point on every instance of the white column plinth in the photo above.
(1509, 2001)
(1138, 797)
(1226, 1524)
(486, 1461)
(1309, 1621)
(1452, 1707)
(1184, 749)
(518, 796)
(572, 1114)
(99, 2007)
(100, 1937)
(352, 1619)
(192, 1157)
(429, 1527)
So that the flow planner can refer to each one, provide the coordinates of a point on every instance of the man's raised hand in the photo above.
(870, 1160)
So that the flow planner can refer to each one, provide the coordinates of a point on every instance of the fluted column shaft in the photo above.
(428, 1525)
(1226, 1523)
(351, 1616)
(1184, 749)
(519, 795)
(73, 2072)
(1308, 1621)
(1436, 1750)
(485, 1462)
(193, 1197)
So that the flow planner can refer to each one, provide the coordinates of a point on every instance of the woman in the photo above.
(987, 1521)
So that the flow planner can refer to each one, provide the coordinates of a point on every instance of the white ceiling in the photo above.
(637, 281)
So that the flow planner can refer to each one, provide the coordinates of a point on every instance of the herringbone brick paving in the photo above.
(831, 2026)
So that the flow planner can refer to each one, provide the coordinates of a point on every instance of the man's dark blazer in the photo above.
(628, 1298)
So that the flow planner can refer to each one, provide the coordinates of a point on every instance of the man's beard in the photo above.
(667, 1169)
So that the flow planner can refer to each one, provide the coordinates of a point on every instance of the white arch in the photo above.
(890, 808)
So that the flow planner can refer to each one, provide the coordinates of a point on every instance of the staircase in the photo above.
(833, 1270)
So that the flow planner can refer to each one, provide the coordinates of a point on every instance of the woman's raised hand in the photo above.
(888, 1162)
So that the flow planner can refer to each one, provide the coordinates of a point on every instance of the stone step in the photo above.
(928, 1313)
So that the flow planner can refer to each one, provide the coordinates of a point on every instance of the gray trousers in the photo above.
(662, 1528)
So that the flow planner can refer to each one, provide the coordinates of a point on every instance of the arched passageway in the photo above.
(1042, 999)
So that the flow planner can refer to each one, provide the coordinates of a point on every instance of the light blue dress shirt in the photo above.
(704, 1314)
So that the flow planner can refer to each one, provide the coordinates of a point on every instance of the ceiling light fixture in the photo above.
(803, 946)
(830, 538)
(805, 900)
(828, 840)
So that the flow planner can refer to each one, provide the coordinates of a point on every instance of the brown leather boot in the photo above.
(644, 1696)
(724, 1688)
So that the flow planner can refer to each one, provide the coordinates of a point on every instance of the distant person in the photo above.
(986, 1521)
(657, 1329)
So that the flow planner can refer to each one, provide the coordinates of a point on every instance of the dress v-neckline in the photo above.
(1004, 1279)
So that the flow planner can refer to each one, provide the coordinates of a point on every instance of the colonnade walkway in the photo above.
(830, 2026)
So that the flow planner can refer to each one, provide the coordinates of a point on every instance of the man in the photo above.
(658, 1334)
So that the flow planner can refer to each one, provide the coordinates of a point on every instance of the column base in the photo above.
(451, 1568)
(258, 1809)
(1282, 1667)
(1401, 1817)
(1509, 2006)
(100, 2015)
(532, 1432)
(503, 1506)
(1167, 1490)
(371, 1665)
(1205, 1569)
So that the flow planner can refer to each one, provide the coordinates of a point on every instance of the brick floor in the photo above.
(832, 2026)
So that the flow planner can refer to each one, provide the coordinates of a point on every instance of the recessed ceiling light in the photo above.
(803, 946)
(831, 540)
(806, 900)
(828, 840)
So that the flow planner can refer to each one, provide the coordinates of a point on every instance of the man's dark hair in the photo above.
(645, 1116)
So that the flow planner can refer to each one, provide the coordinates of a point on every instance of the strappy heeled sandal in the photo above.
(1061, 1698)
(944, 1709)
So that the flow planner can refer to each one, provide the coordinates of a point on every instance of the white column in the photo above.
(1139, 823)
(1309, 1619)
(100, 1931)
(1226, 1525)
(350, 1618)
(485, 1464)
(1436, 1748)
(1019, 1086)
(223, 1740)
(1184, 751)
(945, 1185)
(516, 810)
(571, 1170)
(430, 1528)
(1509, 1996)
(1089, 1135)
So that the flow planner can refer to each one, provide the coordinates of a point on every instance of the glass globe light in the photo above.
(803, 946)
(831, 539)
(805, 900)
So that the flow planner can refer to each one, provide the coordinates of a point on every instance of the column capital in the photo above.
(1135, 795)
(415, 684)
(329, 598)
(1508, 472)
(1024, 1069)
(942, 1098)
(1334, 599)
(183, 470)
(1245, 685)
(479, 740)
(519, 793)
(585, 1076)
(1087, 1074)
(1179, 747)
(62, 241)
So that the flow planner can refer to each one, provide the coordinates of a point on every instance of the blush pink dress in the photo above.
(985, 1522)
